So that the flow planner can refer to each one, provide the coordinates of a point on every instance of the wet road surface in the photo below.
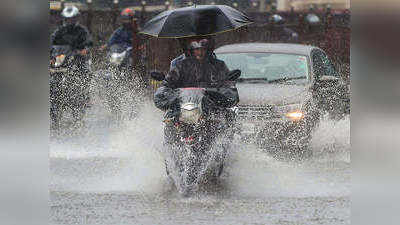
(109, 174)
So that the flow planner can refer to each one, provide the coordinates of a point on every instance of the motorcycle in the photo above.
(198, 134)
(70, 79)
(117, 83)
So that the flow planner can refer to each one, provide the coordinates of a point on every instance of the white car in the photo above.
(284, 89)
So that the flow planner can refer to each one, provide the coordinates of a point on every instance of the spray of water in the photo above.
(143, 168)
(332, 140)
(125, 158)
(254, 173)
(136, 165)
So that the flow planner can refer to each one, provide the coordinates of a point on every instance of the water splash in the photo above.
(120, 159)
(253, 173)
(129, 160)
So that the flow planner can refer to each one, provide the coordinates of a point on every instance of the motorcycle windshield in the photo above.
(191, 95)
(118, 53)
(117, 49)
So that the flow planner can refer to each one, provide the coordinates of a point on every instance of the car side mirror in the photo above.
(234, 75)
(158, 76)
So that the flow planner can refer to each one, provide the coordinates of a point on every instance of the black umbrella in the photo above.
(197, 20)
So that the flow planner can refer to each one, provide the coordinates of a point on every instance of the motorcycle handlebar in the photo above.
(215, 85)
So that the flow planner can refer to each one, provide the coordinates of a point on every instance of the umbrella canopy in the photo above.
(200, 20)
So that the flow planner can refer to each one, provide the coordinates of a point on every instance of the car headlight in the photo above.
(295, 116)
(117, 58)
(292, 112)
(190, 113)
(59, 60)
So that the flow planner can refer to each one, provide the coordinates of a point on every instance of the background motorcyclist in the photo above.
(127, 36)
(280, 31)
(72, 33)
(78, 38)
(123, 35)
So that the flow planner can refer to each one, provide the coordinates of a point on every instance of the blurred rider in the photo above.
(123, 35)
(280, 31)
(72, 33)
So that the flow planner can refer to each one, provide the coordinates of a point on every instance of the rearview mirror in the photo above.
(234, 75)
(158, 76)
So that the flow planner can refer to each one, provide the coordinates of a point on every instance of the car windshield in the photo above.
(267, 66)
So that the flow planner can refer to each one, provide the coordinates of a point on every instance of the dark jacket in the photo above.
(121, 36)
(74, 35)
(189, 72)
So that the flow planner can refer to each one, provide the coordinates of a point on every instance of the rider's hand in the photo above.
(213, 95)
(216, 98)
(83, 52)
(103, 47)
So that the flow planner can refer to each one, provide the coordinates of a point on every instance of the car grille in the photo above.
(256, 112)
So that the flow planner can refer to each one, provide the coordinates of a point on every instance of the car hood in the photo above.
(271, 94)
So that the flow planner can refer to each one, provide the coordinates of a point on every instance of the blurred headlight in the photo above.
(292, 111)
(190, 113)
(59, 60)
(117, 58)
(296, 115)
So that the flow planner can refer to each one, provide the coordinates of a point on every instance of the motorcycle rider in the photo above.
(72, 33)
(197, 66)
(184, 44)
(281, 32)
(123, 35)
(76, 36)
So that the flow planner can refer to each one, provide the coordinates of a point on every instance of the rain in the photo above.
(278, 154)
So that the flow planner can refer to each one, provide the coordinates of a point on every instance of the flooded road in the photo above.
(105, 174)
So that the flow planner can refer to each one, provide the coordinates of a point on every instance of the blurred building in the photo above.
(300, 5)
(245, 5)
(149, 5)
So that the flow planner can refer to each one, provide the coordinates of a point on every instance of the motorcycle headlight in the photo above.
(190, 113)
(117, 58)
(59, 60)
